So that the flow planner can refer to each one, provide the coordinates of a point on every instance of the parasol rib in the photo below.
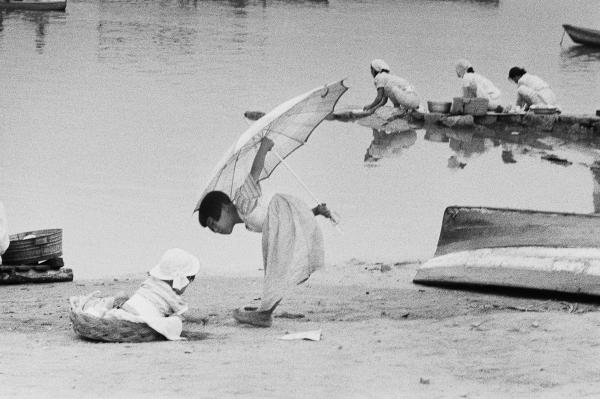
(234, 169)
(334, 221)
(296, 176)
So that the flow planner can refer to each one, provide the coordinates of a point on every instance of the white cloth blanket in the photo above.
(103, 307)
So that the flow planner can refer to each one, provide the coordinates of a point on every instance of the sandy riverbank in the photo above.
(382, 337)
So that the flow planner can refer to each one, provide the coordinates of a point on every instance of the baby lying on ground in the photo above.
(158, 301)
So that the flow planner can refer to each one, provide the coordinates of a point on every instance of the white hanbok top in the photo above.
(390, 82)
(533, 82)
(155, 298)
(251, 205)
(156, 304)
(485, 87)
(533, 90)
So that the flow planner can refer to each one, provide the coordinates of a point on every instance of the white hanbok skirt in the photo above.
(292, 244)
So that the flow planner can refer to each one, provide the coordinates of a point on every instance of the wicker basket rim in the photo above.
(37, 233)
(109, 330)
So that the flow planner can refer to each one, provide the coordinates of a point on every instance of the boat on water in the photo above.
(36, 5)
(517, 249)
(585, 36)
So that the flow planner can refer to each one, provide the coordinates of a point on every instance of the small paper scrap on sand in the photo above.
(314, 335)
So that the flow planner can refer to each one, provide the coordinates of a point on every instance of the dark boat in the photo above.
(519, 249)
(585, 36)
(35, 5)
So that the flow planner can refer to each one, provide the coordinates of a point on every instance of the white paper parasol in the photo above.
(289, 126)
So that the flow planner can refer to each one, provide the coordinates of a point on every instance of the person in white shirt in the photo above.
(476, 85)
(531, 90)
(397, 89)
(4, 238)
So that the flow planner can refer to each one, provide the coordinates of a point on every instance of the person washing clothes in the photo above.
(4, 237)
(531, 90)
(292, 242)
(476, 85)
(397, 89)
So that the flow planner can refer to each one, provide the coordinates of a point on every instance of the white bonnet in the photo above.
(176, 265)
(461, 67)
(379, 65)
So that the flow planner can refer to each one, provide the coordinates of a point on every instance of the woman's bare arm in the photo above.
(259, 160)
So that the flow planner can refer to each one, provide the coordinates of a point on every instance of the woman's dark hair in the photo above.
(211, 206)
(470, 69)
(516, 72)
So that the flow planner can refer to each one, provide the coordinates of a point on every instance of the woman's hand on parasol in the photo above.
(322, 210)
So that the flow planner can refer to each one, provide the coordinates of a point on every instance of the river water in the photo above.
(114, 113)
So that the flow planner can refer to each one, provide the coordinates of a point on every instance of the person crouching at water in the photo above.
(397, 89)
(476, 85)
(532, 90)
(292, 242)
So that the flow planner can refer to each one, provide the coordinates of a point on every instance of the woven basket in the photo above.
(469, 106)
(110, 330)
(47, 244)
(475, 106)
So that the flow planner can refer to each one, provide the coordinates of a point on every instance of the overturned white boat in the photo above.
(520, 249)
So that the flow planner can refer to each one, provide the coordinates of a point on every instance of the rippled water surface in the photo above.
(113, 114)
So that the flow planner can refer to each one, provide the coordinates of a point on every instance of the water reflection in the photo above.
(436, 135)
(466, 145)
(512, 146)
(485, 3)
(578, 51)
(580, 59)
(39, 20)
(389, 145)
(595, 169)
(265, 3)
(162, 34)
(187, 3)
(142, 42)
(507, 153)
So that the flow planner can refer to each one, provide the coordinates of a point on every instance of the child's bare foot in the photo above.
(253, 317)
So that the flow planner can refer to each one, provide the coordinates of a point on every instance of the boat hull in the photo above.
(510, 248)
(588, 37)
(34, 5)
(565, 270)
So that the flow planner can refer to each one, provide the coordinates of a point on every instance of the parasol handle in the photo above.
(334, 221)
(295, 175)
